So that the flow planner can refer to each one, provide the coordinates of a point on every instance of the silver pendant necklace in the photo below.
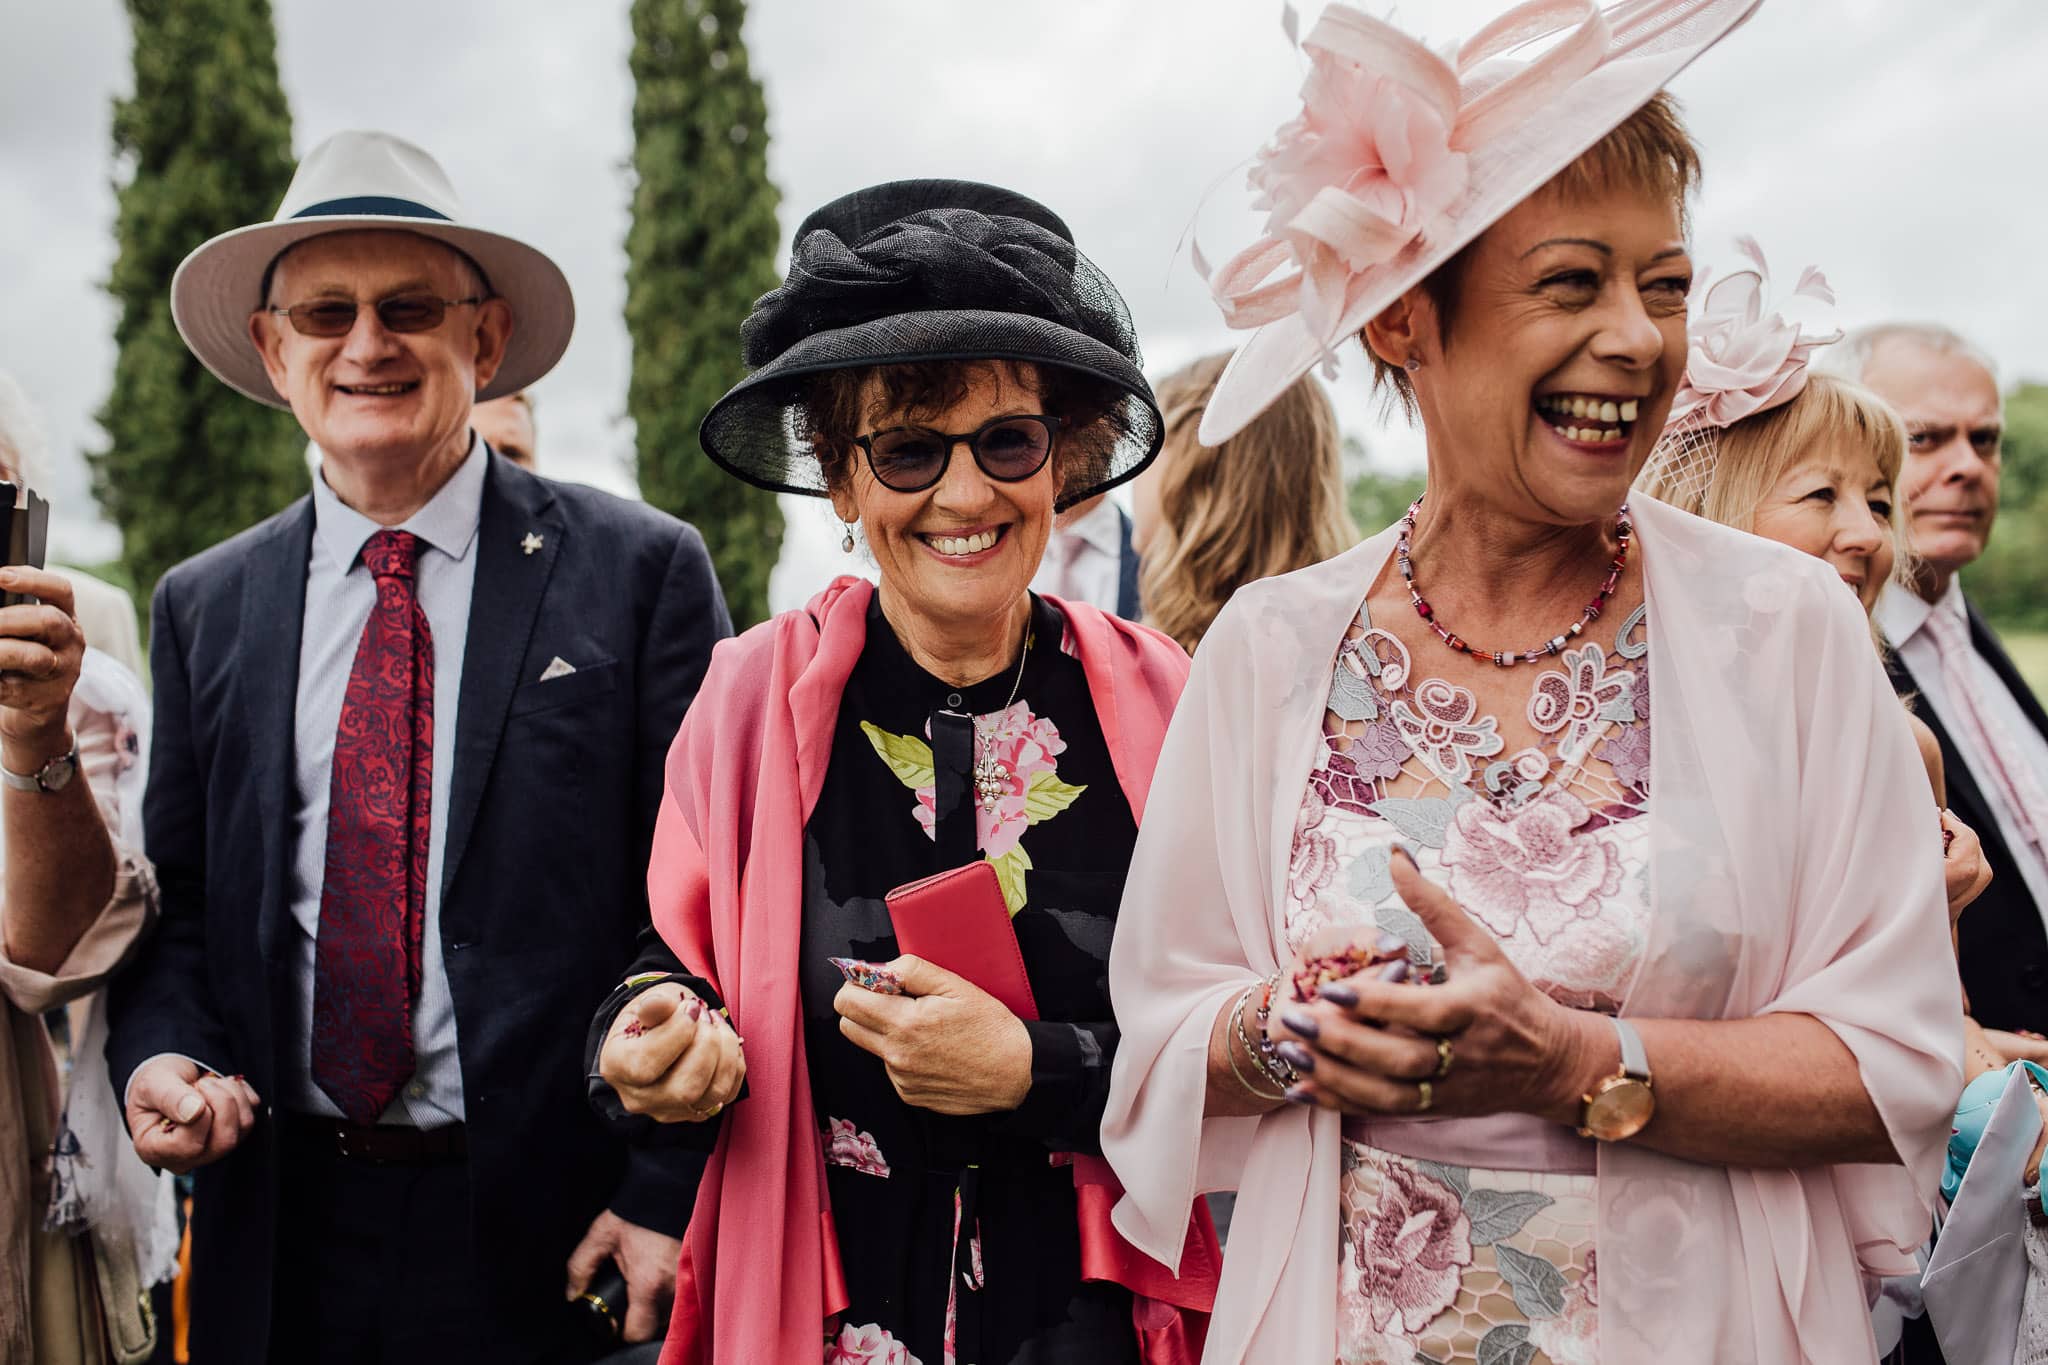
(992, 775)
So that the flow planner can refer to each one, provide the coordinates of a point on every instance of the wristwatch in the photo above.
(1622, 1104)
(51, 777)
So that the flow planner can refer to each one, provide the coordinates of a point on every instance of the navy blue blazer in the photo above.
(550, 818)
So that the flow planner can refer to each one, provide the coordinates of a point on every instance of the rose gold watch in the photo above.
(1622, 1104)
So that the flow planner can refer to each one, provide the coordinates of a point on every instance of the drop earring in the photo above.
(846, 544)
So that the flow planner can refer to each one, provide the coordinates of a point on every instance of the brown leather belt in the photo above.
(380, 1144)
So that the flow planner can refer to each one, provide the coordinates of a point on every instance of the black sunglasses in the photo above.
(399, 313)
(912, 459)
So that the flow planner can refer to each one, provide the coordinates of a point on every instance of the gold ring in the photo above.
(1444, 1053)
(1428, 1096)
(712, 1112)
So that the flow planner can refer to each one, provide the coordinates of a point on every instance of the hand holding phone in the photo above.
(24, 532)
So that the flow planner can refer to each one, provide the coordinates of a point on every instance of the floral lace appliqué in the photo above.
(1581, 699)
(1027, 748)
(1445, 731)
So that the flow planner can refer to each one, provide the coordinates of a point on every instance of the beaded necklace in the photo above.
(1508, 658)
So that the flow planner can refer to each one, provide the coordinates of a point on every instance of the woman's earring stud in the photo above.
(1411, 364)
(846, 544)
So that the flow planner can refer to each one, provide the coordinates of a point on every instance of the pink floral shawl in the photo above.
(759, 1272)
(1792, 868)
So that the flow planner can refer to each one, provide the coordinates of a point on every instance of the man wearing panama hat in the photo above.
(410, 735)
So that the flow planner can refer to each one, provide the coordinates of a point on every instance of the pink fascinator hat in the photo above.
(1401, 156)
(1741, 358)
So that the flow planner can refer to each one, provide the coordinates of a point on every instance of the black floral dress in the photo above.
(958, 1235)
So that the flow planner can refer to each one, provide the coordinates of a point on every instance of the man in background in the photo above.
(1089, 558)
(1994, 737)
(507, 426)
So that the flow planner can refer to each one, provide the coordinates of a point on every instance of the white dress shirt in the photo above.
(1902, 615)
(1084, 559)
(340, 593)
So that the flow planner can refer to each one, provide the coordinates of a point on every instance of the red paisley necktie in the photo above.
(366, 961)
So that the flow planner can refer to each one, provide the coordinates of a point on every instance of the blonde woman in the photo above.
(1210, 519)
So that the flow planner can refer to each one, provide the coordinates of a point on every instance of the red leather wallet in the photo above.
(957, 920)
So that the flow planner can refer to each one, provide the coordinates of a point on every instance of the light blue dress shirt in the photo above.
(340, 593)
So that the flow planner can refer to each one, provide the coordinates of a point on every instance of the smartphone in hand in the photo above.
(24, 532)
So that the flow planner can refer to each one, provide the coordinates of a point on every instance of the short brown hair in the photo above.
(839, 404)
(1651, 150)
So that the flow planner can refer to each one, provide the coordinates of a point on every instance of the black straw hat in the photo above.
(922, 270)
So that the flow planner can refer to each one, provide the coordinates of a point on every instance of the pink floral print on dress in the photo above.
(848, 1146)
(869, 1345)
(1409, 1250)
(1512, 869)
(1573, 1337)
(1027, 748)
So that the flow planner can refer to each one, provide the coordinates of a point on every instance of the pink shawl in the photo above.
(726, 886)
(1792, 868)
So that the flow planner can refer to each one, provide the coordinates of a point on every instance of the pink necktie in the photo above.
(2015, 781)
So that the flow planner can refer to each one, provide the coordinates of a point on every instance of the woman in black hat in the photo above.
(911, 1171)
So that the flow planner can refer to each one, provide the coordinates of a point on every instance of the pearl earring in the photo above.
(1411, 364)
(846, 545)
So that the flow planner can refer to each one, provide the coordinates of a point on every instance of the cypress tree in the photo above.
(202, 145)
(700, 250)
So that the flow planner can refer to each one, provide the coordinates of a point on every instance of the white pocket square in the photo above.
(558, 667)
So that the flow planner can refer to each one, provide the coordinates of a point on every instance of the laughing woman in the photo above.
(1624, 794)
(909, 1159)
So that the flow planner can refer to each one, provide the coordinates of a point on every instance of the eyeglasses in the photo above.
(912, 459)
(399, 313)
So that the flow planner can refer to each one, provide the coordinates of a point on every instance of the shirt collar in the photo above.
(1901, 612)
(448, 522)
(1102, 529)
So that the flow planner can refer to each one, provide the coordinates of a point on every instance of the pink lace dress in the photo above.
(1445, 1259)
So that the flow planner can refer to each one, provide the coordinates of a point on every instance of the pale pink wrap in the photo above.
(726, 888)
(1793, 868)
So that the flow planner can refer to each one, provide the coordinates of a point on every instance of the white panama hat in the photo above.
(357, 180)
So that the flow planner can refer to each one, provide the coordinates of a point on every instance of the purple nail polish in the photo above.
(1394, 971)
(1300, 1023)
(1299, 1094)
(1342, 996)
(1297, 1056)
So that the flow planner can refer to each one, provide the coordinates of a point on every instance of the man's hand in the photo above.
(671, 1057)
(181, 1117)
(950, 1046)
(41, 650)
(646, 1258)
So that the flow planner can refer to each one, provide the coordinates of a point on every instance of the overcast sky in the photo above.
(1899, 144)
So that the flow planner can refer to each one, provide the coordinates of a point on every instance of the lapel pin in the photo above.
(531, 543)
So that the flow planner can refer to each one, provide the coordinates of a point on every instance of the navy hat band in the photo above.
(370, 205)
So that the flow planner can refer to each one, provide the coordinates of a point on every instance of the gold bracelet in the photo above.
(1237, 1027)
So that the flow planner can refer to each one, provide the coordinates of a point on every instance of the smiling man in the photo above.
(1994, 737)
(409, 745)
